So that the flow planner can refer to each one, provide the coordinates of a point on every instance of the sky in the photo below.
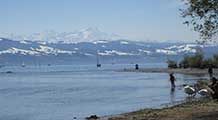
(158, 20)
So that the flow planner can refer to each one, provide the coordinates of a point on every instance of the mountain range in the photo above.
(33, 52)
(83, 46)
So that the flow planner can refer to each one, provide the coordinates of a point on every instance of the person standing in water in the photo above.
(172, 80)
(136, 66)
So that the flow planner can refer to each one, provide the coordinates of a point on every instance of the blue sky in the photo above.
(133, 19)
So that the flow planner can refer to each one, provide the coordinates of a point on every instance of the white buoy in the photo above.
(203, 92)
(189, 90)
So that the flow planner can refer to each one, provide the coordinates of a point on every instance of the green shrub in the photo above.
(207, 63)
(184, 63)
(172, 64)
(198, 61)
(195, 61)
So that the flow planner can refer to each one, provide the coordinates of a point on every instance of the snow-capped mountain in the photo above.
(12, 51)
(51, 36)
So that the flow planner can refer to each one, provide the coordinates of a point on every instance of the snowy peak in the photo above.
(96, 34)
(51, 36)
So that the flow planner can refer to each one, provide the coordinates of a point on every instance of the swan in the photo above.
(189, 90)
(204, 92)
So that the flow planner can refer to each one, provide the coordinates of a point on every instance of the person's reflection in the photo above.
(172, 95)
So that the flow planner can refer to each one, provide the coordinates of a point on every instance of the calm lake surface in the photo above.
(64, 92)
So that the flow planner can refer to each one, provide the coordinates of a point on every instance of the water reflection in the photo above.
(190, 98)
(172, 95)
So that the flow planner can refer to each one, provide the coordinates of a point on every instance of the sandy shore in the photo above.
(193, 71)
(197, 110)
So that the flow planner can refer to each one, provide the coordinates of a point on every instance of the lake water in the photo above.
(65, 92)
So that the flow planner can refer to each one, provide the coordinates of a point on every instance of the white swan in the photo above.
(189, 90)
(204, 92)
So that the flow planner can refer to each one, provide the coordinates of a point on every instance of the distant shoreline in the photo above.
(191, 71)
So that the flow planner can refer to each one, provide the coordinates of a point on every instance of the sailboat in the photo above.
(97, 57)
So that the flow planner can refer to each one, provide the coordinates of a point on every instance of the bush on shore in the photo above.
(195, 61)
(172, 64)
